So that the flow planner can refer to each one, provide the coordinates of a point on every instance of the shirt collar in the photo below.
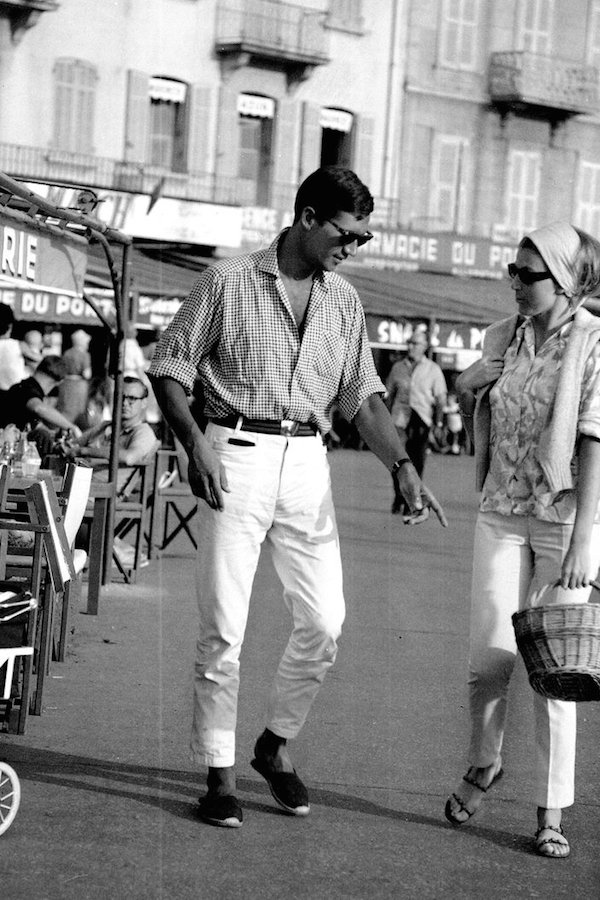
(270, 264)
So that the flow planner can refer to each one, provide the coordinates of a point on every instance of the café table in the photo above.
(100, 494)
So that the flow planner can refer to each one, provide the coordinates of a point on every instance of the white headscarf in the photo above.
(559, 246)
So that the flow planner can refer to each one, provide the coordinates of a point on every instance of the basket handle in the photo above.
(595, 584)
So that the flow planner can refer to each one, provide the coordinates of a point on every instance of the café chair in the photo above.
(44, 510)
(131, 515)
(174, 505)
(74, 496)
(17, 636)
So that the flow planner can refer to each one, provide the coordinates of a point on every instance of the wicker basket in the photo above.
(560, 646)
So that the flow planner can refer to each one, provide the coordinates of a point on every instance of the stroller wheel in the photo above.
(10, 796)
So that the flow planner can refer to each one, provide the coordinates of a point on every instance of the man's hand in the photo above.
(207, 476)
(418, 497)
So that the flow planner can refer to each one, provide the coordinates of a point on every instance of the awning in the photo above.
(455, 309)
(161, 278)
(421, 296)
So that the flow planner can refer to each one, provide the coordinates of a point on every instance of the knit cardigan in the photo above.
(559, 435)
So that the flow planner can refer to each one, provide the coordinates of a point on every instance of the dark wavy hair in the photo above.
(333, 189)
(7, 318)
(53, 366)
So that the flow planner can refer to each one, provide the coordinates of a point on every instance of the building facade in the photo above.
(472, 121)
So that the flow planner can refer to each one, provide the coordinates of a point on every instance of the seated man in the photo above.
(137, 441)
(25, 405)
(137, 445)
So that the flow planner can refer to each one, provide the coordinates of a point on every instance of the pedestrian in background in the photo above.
(416, 396)
(31, 348)
(12, 364)
(276, 337)
(535, 398)
(74, 390)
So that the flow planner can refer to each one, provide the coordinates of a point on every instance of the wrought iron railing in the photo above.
(544, 81)
(81, 170)
(276, 29)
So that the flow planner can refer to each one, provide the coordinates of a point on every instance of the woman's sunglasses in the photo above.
(526, 276)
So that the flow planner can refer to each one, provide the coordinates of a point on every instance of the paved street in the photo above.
(108, 807)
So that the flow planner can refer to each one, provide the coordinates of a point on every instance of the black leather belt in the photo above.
(287, 427)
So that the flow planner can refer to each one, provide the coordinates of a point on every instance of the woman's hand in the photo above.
(576, 570)
(485, 371)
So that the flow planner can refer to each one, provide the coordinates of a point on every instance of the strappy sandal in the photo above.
(541, 845)
(450, 815)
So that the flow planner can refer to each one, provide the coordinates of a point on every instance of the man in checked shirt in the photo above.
(275, 337)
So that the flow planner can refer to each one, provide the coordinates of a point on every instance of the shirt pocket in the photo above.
(329, 355)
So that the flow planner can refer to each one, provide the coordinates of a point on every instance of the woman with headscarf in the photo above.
(532, 407)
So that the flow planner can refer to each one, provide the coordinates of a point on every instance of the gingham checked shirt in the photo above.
(236, 332)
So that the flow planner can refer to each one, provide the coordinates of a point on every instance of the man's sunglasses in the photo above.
(525, 275)
(130, 398)
(348, 237)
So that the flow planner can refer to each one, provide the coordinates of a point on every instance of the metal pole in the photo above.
(117, 366)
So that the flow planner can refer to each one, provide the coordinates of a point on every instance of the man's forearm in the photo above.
(377, 429)
(173, 402)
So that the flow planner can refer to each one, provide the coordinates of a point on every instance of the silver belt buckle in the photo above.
(288, 427)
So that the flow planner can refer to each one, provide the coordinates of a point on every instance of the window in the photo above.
(346, 15)
(587, 206)
(522, 191)
(256, 115)
(448, 179)
(535, 26)
(336, 137)
(74, 105)
(593, 46)
(458, 34)
(167, 125)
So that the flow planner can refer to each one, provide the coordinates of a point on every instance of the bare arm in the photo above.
(377, 429)
(576, 568)
(208, 478)
(51, 416)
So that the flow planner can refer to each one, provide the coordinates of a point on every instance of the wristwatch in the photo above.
(399, 463)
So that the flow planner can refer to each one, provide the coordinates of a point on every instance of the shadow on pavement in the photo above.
(155, 786)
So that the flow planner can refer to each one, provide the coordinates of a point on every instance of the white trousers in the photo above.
(517, 559)
(280, 489)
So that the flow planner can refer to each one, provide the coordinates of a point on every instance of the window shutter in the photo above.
(63, 103)
(137, 117)
(310, 144)
(201, 101)
(227, 135)
(363, 147)
(285, 153)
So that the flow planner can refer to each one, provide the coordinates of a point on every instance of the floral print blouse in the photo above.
(520, 403)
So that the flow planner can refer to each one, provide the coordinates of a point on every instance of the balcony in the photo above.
(260, 31)
(62, 168)
(23, 14)
(542, 86)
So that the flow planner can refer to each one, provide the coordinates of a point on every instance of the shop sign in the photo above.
(445, 336)
(400, 251)
(31, 257)
(156, 312)
(166, 219)
(184, 221)
(447, 252)
(42, 306)
(261, 224)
